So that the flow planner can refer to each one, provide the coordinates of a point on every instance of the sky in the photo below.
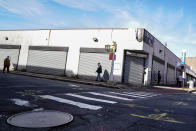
(171, 21)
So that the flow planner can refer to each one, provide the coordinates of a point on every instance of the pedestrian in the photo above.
(177, 79)
(99, 71)
(6, 64)
(180, 80)
(159, 77)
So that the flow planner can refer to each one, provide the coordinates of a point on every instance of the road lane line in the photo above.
(110, 96)
(89, 98)
(128, 95)
(66, 101)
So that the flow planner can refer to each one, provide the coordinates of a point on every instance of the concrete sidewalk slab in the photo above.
(67, 79)
(176, 88)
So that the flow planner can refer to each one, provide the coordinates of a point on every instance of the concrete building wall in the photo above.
(191, 61)
(24, 38)
(77, 38)
(74, 39)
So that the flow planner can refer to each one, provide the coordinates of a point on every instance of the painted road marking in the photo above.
(143, 95)
(159, 117)
(110, 96)
(72, 85)
(21, 102)
(89, 98)
(66, 101)
(128, 95)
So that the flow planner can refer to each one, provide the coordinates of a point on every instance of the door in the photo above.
(89, 57)
(157, 66)
(47, 60)
(13, 51)
(133, 70)
(171, 75)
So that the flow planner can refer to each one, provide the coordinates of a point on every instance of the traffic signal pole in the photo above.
(112, 66)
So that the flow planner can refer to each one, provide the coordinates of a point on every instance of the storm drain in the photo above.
(40, 119)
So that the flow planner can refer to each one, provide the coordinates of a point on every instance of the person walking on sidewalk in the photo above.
(99, 71)
(159, 77)
(180, 80)
(6, 64)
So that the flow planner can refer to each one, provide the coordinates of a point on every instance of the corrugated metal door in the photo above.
(178, 73)
(88, 65)
(133, 70)
(47, 60)
(9, 50)
(171, 76)
(157, 66)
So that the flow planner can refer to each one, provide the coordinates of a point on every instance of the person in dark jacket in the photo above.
(159, 77)
(6, 64)
(99, 71)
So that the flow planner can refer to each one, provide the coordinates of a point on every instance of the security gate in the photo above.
(89, 57)
(171, 75)
(178, 72)
(13, 52)
(134, 69)
(157, 65)
(47, 60)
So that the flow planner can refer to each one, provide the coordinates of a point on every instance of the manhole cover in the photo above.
(40, 119)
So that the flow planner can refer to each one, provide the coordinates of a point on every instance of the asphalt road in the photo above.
(130, 110)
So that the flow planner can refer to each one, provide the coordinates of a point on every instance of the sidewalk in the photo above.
(176, 88)
(161, 89)
(68, 79)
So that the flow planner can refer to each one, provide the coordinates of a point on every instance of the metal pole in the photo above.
(112, 67)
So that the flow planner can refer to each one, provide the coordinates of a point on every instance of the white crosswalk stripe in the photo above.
(110, 96)
(142, 95)
(78, 104)
(89, 98)
(136, 96)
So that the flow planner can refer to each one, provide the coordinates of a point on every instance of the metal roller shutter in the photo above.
(178, 73)
(9, 50)
(171, 76)
(88, 65)
(49, 61)
(157, 66)
(133, 70)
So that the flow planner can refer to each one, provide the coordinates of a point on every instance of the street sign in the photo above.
(183, 57)
(111, 55)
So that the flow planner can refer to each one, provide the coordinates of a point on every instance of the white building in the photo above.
(76, 52)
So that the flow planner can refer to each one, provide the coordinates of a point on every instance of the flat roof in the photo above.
(68, 29)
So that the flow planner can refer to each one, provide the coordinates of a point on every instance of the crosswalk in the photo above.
(96, 100)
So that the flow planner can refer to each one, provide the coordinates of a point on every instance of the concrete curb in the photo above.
(94, 83)
(104, 84)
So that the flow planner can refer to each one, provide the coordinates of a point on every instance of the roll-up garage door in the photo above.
(178, 72)
(158, 65)
(47, 60)
(171, 75)
(13, 52)
(133, 69)
(89, 57)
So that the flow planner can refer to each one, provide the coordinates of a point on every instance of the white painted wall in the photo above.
(24, 38)
(76, 38)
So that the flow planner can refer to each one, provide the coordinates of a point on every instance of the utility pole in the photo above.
(111, 49)
(183, 67)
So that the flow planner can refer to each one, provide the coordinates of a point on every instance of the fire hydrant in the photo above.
(191, 85)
